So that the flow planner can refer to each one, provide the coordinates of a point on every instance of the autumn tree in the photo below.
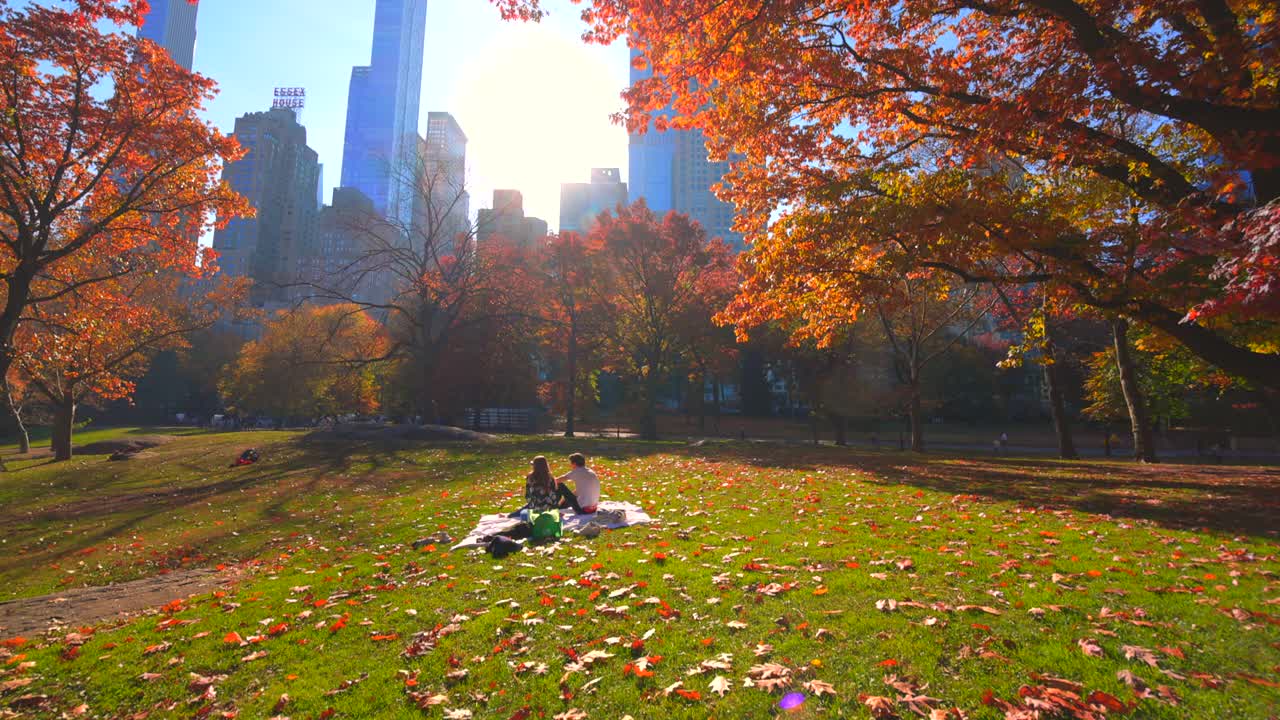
(710, 350)
(102, 156)
(422, 274)
(572, 273)
(655, 272)
(93, 342)
(1173, 104)
(491, 362)
(832, 378)
(1033, 312)
(924, 316)
(310, 362)
(917, 316)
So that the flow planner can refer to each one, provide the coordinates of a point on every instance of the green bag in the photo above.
(545, 524)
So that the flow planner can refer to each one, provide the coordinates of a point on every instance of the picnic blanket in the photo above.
(570, 523)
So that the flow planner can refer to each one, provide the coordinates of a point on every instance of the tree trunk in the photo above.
(17, 292)
(702, 401)
(1143, 445)
(424, 402)
(841, 426)
(573, 381)
(64, 418)
(914, 413)
(1053, 378)
(24, 438)
(649, 420)
(813, 427)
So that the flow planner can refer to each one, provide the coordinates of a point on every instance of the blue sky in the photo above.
(533, 99)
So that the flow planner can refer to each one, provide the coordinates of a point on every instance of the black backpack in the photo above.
(500, 546)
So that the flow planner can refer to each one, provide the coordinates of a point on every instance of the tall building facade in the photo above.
(278, 177)
(171, 24)
(670, 170)
(382, 108)
(352, 239)
(506, 219)
(581, 203)
(441, 204)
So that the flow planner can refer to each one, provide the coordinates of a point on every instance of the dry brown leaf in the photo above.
(881, 708)
(1147, 656)
(1090, 647)
(10, 685)
(720, 685)
(819, 688)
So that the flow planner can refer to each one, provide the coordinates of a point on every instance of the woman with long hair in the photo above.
(540, 486)
(543, 492)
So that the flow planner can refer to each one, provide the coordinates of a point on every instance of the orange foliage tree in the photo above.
(102, 158)
(573, 271)
(92, 342)
(1172, 106)
(311, 362)
(656, 274)
(710, 350)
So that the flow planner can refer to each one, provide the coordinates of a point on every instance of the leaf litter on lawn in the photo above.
(767, 559)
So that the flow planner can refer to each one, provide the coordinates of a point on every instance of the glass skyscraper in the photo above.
(382, 109)
(171, 24)
(441, 203)
(670, 171)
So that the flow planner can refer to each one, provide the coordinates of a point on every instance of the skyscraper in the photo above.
(670, 171)
(352, 242)
(506, 219)
(382, 108)
(580, 203)
(278, 177)
(442, 205)
(171, 24)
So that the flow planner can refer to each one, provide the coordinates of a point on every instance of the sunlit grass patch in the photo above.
(876, 584)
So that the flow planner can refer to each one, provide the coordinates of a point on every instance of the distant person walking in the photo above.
(1004, 442)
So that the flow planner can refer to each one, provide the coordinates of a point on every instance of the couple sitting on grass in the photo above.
(543, 492)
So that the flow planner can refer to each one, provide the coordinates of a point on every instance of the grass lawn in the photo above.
(877, 584)
(40, 434)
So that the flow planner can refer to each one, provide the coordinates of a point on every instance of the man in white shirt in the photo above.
(586, 484)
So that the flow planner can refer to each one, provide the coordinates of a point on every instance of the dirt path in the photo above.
(93, 605)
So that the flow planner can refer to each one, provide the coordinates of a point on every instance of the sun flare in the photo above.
(535, 109)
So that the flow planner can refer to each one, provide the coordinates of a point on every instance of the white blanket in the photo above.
(569, 522)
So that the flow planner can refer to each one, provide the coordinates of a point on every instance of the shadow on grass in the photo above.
(1232, 500)
(81, 507)
(1226, 499)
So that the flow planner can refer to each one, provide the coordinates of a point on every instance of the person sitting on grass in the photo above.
(542, 492)
(586, 484)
